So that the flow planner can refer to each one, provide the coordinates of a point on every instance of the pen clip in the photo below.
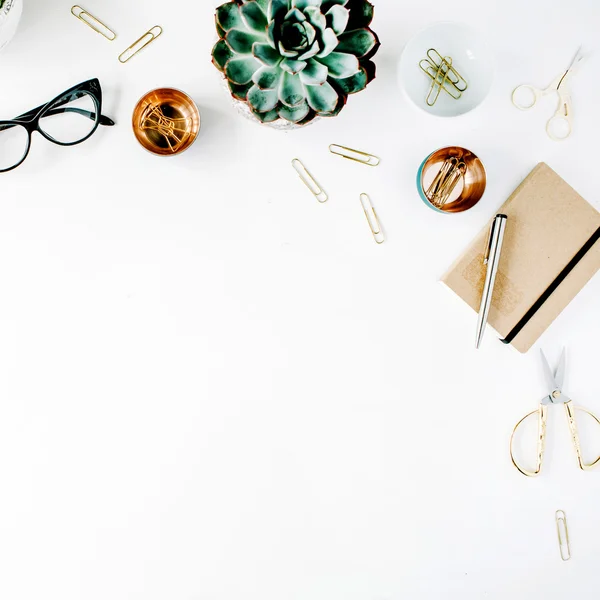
(486, 256)
(496, 221)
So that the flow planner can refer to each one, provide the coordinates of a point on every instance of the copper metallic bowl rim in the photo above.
(422, 171)
(160, 89)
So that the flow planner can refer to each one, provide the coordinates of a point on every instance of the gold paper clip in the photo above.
(563, 535)
(372, 219)
(310, 182)
(148, 37)
(356, 155)
(94, 22)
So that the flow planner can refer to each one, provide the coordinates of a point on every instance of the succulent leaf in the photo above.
(322, 98)
(316, 17)
(354, 84)
(240, 92)
(254, 17)
(361, 14)
(295, 15)
(341, 65)
(262, 100)
(241, 42)
(264, 4)
(267, 78)
(337, 18)
(278, 8)
(330, 42)
(240, 70)
(271, 34)
(295, 59)
(267, 117)
(221, 54)
(228, 16)
(291, 90)
(315, 73)
(358, 42)
(267, 55)
(293, 66)
(327, 4)
(302, 4)
(294, 114)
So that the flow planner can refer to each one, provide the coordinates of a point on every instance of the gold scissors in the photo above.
(555, 396)
(559, 126)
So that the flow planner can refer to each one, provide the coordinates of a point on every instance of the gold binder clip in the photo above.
(356, 155)
(563, 535)
(317, 191)
(372, 218)
(94, 22)
(138, 45)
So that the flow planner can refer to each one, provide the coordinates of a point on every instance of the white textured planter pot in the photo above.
(10, 15)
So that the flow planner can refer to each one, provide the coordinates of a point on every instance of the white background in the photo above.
(214, 388)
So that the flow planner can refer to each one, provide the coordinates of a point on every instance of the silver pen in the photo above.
(491, 259)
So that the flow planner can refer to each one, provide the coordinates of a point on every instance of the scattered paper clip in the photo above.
(362, 157)
(94, 22)
(563, 535)
(372, 218)
(138, 45)
(317, 191)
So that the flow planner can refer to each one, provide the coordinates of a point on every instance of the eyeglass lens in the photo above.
(70, 119)
(14, 140)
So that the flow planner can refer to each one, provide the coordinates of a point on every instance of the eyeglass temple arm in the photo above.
(56, 111)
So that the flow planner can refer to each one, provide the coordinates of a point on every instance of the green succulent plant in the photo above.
(1, 4)
(295, 59)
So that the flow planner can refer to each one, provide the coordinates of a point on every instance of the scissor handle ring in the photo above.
(535, 92)
(553, 120)
(575, 436)
(541, 411)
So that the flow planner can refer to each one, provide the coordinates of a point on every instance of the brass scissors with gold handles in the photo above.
(555, 396)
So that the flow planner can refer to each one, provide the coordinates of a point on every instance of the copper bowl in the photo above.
(166, 121)
(467, 193)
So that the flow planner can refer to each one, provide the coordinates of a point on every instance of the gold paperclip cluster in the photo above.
(451, 172)
(443, 77)
(172, 129)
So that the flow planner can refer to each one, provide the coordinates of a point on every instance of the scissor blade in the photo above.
(548, 373)
(559, 374)
(579, 56)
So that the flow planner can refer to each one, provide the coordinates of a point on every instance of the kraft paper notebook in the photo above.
(550, 252)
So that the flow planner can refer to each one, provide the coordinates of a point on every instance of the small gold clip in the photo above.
(373, 220)
(563, 535)
(93, 22)
(362, 157)
(148, 37)
(310, 182)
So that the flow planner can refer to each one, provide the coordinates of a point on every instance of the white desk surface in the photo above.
(214, 388)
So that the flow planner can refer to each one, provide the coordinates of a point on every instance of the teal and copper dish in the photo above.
(471, 188)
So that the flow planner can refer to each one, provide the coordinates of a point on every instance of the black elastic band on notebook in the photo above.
(551, 288)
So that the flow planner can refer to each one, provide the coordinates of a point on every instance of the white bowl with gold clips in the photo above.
(467, 74)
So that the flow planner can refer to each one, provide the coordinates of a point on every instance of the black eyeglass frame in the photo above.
(31, 119)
